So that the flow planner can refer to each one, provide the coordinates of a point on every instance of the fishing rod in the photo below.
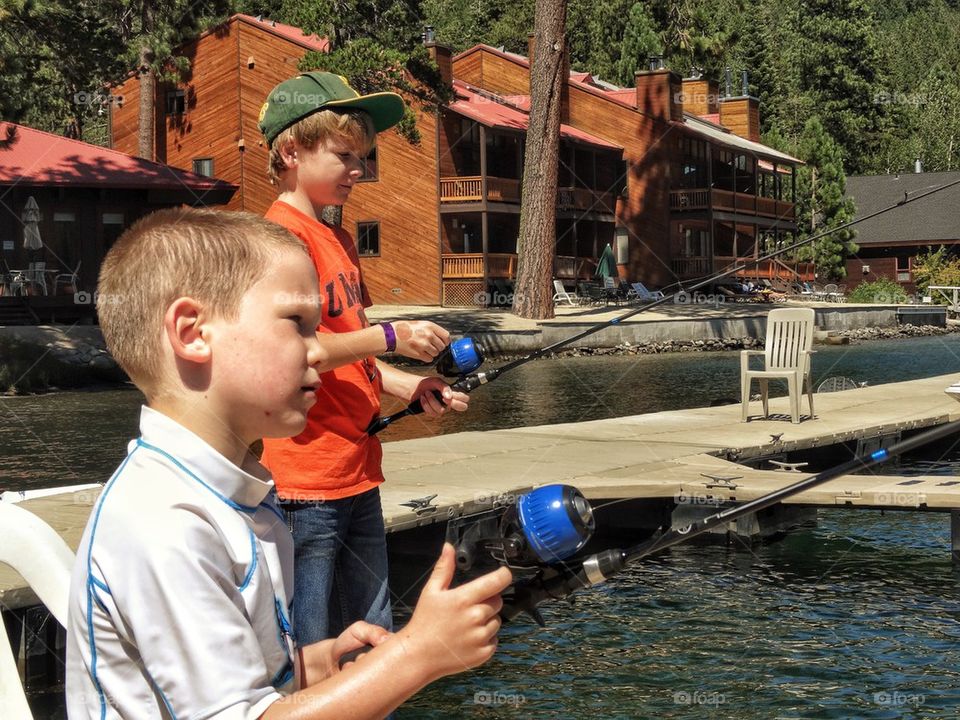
(538, 535)
(468, 380)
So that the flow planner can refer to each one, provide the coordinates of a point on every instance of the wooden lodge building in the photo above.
(669, 173)
(82, 197)
(889, 244)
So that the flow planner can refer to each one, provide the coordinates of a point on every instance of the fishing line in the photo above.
(467, 383)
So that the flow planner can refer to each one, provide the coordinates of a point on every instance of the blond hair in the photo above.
(354, 127)
(211, 256)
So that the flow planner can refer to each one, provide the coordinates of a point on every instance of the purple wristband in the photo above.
(390, 336)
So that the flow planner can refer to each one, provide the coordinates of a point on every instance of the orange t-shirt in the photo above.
(333, 457)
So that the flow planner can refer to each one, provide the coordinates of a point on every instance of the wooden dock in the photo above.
(676, 454)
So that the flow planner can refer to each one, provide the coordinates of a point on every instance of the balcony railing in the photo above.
(571, 198)
(470, 189)
(698, 267)
(700, 199)
(462, 266)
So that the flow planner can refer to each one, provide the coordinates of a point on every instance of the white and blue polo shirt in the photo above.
(180, 596)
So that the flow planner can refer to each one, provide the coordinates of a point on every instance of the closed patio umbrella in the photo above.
(606, 265)
(31, 225)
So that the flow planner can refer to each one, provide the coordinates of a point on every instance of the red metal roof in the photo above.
(487, 110)
(34, 157)
(291, 33)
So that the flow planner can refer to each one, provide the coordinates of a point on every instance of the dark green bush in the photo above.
(883, 291)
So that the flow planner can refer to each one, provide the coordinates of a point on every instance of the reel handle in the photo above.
(465, 384)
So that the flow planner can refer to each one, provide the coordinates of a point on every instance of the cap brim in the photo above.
(385, 108)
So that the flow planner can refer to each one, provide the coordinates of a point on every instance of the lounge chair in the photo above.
(562, 297)
(641, 293)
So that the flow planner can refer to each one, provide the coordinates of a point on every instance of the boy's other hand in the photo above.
(359, 635)
(432, 407)
(455, 629)
(420, 339)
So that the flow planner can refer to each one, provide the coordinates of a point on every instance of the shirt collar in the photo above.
(246, 486)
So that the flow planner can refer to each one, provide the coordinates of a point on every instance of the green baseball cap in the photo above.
(296, 98)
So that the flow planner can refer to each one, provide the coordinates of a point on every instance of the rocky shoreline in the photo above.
(854, 337)
(48, 359)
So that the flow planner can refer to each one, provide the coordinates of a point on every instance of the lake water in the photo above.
(854, 618)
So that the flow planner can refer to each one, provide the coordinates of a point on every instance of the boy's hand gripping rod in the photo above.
(557, 582)
(471, 382)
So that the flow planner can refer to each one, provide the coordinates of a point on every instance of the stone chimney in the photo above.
(741, 114)
(660, 92)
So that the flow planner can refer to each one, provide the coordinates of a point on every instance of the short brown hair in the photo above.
(353, 126)
(209, 255)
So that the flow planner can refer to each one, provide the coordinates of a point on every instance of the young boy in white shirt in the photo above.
(180, 598)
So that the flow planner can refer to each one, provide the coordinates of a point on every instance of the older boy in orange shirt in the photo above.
(319, 130)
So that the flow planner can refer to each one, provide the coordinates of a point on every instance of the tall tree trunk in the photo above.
(148, 84)
(536, 245)
(148, 110)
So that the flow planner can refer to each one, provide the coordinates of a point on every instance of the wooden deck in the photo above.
(661, 455)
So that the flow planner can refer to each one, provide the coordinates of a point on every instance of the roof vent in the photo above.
(429, 34)
(655, 62)
(917, 166)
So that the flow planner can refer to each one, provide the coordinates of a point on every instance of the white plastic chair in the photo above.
(67, 279)
(786, 356)
(561, 296)
(33, 549)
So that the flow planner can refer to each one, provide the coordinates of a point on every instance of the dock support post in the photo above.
(955, 535)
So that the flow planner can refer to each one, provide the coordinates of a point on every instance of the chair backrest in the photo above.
(789, 337)
(830, 288)
(640, 289)
(35, 270)
(559, 289)
(609, 283)
(33, 549)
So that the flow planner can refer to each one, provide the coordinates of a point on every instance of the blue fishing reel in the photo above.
(541, 528)
(461, 357)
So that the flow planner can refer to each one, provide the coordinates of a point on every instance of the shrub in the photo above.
(884, 291)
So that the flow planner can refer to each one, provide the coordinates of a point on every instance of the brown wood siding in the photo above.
(742, 117)
(469, 69)
(210, 127)
(275, 60)
(700, 96)
(404, 201)
(124, 118)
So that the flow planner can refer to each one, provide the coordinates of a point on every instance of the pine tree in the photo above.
(821, 201)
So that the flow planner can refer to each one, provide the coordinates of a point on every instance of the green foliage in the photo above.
(821, 201)
(883, 291)
(936, 267)
(371, 67)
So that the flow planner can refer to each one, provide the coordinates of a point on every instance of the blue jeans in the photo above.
(340, 566)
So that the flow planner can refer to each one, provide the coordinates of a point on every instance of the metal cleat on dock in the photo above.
(722, 481)
(788, 466)
(421, 506)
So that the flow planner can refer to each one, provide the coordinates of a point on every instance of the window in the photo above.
(203, 166)
(903, 268)
(65, 243)
(176, 102)
(112, 223)
(368, 238)
(369, 166)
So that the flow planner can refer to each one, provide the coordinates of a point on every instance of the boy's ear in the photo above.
(288, 153)
(183, 325)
